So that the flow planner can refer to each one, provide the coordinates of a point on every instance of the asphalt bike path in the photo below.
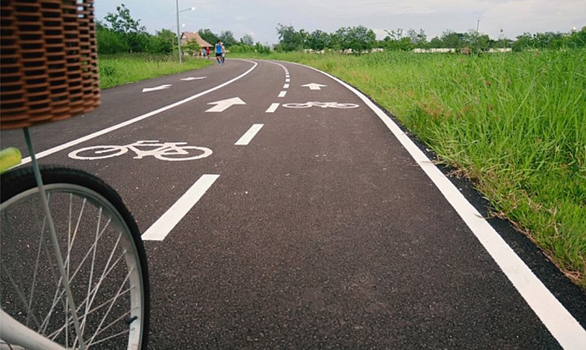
(308, 226)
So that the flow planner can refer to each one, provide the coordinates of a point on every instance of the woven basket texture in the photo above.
(49, 61)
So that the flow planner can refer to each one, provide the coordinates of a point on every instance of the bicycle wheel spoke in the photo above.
(18, 292)
(89, 285)
(62, 293)
(86, 256)
(69, 320)
(93, 293)
(106, 271)
(58, 294)
(81, 211)
(110, 337)
(41, 240)
(118, 294)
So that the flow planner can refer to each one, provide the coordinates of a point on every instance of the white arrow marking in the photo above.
(223, 105)
(192, 78)
(314, 86)
(162, 87)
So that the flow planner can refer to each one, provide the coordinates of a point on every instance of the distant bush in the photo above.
(109, 42)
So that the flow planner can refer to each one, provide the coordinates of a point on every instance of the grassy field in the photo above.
(515, 124)
(123, 69)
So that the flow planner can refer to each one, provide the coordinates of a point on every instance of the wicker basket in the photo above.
(49, 61)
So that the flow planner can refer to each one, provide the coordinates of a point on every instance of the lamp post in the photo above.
(178, 33)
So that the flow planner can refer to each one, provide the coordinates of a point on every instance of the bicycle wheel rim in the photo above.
(100, 300)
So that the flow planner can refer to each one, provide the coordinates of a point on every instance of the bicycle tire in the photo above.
(127, 298)
(120, 150)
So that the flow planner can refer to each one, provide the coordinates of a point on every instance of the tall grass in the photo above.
(128, 68)
(513, 123)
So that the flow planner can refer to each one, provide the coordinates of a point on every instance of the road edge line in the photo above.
(556, 318)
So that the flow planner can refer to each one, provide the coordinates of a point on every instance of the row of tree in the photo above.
(360, 39)
(120, 33)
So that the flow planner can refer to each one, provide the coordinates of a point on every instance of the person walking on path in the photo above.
(208, 52)
(223, 52)
(219, 52)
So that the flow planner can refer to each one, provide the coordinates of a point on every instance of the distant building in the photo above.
(442, 50)
(194, 36)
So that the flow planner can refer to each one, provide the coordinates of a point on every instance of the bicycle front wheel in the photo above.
(103, 254)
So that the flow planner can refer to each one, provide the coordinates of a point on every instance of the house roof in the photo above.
(194, 36)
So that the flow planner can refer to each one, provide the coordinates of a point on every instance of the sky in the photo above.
(259, 18)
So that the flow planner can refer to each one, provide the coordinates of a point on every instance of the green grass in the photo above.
(123, 69)
(515, 124)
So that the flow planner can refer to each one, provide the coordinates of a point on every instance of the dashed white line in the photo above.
(286, 86)
(161, 228)
(282, 93)
(272, 108)
(287, 80)
(249, 135)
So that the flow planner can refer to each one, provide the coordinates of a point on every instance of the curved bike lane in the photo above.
(314, 228)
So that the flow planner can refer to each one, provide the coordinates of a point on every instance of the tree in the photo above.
(475, 41)
(318, 40)
(453, 40)
(417, 39)
(122, 21)
(227, 38)
(191, 47)
(435, 42)
(395, 40)
(109, 42)
(162, 42)
(361, 38)
(577, 38)
(128, 29)
(289, 39)
(208, 36)
(247, 40)
(523, 41)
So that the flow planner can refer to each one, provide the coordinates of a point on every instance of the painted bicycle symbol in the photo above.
(170, 151)
(321, 105)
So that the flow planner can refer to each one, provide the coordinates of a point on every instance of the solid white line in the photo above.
(161, 228)
(132, 121)
(249, 135)
(562, 325)
(272, 108)
(286, 86)
(282, 93)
